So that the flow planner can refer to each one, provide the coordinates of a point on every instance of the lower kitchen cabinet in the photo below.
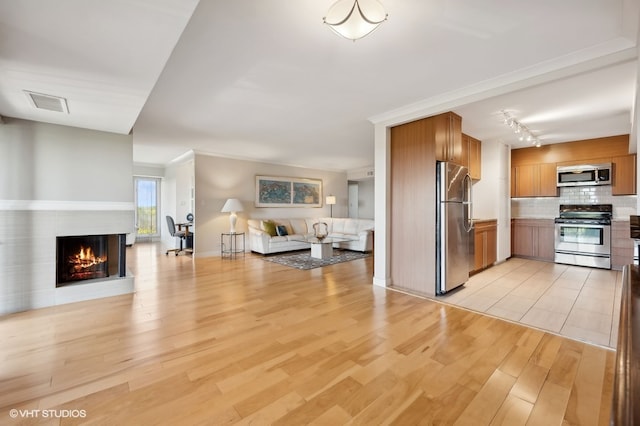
(485, 244)
(621, 244)
(533, 238)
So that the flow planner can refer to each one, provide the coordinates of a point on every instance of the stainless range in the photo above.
(583, 235)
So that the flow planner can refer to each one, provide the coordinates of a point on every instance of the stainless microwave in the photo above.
(585, 175)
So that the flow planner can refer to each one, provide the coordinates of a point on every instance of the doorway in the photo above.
(147, 200)
(353, 200)
(361, 199)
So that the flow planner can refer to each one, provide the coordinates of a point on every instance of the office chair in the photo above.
(177, 234)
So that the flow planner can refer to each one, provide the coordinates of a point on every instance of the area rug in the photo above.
(303, 260)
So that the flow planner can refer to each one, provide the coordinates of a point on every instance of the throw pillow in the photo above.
(281, 230)
(269, 227)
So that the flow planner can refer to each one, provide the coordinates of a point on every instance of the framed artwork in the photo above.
(275, 191)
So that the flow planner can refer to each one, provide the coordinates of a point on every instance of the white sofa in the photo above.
(359, 231)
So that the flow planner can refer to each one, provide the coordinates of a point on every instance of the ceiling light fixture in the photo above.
(354, 19)
(520, 129)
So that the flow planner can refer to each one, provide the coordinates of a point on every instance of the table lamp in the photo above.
(232, 206)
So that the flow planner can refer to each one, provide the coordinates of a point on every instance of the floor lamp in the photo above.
(331, 200)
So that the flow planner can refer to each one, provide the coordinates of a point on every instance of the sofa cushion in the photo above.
(278, 240)
(365, 225)
(299, 226)
(295, 237)
(269, 227)
(282, 230)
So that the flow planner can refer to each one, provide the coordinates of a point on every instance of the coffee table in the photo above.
(321, 248)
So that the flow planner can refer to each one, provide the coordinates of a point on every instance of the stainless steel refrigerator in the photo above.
(454, 226)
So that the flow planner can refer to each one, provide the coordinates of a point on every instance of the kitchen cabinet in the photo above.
(485, 244)
(526, 162)
(475, 157)
(472, 156)
(465, 151)
(533, 238)
(624, 175)
(621, 244)
(534, 180)
(577, 152)
(413, 216)
(448, 138)
(414, 149)
(582, 162)
(548, 180)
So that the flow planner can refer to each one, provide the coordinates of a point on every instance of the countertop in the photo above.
(625, 409)
(615, 219)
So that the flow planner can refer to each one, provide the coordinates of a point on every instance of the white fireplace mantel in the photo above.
(28, 231)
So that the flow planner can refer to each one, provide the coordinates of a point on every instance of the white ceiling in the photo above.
(266, 80)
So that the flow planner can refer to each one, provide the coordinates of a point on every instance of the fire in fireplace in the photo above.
(90, 257)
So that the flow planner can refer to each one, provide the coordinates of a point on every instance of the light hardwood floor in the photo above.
(211, 341)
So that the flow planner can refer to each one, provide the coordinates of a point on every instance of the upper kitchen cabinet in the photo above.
(448, 138)
(624, 175)
(534, 180)
(465, 150)
(533, 170)
(474, 148)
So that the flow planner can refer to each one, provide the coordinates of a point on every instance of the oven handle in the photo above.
(577, 225)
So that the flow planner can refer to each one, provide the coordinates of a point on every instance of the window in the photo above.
(147, 193)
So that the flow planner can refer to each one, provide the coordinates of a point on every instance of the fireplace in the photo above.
(90, 257)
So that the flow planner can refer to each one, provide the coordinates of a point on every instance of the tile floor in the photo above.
(576, 302)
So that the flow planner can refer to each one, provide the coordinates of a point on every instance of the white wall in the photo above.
(56, 181)
(148, 170)
(382, 242)
(185, 175)
(217, 179)
(176, 197)
(491, 193)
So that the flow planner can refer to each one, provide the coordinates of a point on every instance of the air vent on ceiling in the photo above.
(48, 102)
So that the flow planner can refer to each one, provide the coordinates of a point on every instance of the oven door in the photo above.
(583, 238)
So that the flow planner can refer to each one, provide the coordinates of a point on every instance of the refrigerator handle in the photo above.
(468, 226)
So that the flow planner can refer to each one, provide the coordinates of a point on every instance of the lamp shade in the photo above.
(354, 19)
(331, 199)
(232, 205)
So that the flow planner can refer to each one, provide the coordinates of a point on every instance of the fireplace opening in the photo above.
(90, 257)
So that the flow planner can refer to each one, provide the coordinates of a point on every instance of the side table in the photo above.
(229, 244)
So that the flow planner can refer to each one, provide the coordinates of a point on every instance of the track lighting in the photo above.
(520, 129)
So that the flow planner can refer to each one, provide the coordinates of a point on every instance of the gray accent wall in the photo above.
(42, 161)
(58, 181)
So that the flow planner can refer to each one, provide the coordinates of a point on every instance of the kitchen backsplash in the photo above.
(547, 207)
